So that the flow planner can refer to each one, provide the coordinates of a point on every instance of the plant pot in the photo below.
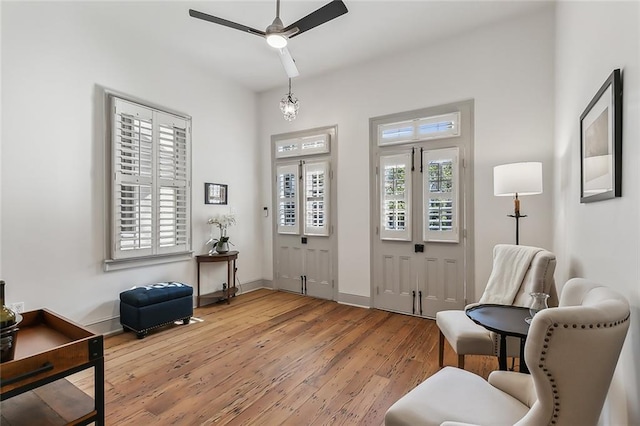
(222, 247)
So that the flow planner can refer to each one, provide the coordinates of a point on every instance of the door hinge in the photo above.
(333, 284)
(376, 170)
(378, 291)
(464, 164)
(330, 174)
(331, 230)
(377, 230)
(464, 233)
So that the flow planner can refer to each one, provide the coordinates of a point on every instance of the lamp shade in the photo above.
(517, 178)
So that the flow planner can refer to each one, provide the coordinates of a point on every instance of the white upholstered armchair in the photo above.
(572, 352)
(535, 276)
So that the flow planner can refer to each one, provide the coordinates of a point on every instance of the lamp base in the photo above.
(517, 216)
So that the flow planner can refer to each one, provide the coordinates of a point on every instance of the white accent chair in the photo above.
(572, 352)
(468, 338)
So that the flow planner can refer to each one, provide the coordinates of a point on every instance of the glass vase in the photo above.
(538, 303)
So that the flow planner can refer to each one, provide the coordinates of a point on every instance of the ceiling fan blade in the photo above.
(220, 21)
(288, 63)
(326, 13)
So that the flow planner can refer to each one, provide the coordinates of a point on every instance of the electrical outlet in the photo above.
(17, 307)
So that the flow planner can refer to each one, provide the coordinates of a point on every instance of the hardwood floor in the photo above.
(271, 358)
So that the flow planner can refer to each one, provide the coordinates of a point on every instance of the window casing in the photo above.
(151, 181)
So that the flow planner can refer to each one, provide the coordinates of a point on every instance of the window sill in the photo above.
(116, 265)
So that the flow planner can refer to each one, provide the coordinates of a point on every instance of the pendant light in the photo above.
(289, 105)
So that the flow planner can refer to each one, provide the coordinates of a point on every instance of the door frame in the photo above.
(332, 131)
(467, 173)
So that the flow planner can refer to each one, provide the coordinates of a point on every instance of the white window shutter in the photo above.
(395, 197)
(316, 198)
(440, 195)
(174, 201)
(288, 183)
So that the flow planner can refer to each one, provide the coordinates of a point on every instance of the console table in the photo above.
(231, 290)
(48, 349)
(506, 320)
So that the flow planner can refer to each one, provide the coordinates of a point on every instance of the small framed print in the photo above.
(215, 193)
(601, 143)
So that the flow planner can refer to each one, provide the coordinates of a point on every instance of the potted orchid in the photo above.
(223, 222)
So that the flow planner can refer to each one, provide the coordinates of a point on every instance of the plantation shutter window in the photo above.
(316, 198)
(151, 189)
(440, 187)
(395, 197)
(287, 186)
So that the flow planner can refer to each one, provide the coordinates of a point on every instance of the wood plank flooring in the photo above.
(271, 358)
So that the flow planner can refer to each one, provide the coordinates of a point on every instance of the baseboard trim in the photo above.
(354, 300)
(255, 285)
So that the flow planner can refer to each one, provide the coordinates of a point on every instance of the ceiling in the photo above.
(370, 29)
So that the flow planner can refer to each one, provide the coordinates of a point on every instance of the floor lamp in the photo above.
(517, 179)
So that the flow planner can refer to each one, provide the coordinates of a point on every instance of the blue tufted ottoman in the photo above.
(155, 305)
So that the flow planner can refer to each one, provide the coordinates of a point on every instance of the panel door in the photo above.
(419, 247)
(304, 239)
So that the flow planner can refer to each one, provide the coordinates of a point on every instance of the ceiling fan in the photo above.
(277, 35)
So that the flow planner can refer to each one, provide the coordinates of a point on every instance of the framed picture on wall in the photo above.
(601, 143)
(215, 193)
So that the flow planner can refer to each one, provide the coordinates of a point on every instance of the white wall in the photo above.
(55, 58)
(600, 241)
(507, 68)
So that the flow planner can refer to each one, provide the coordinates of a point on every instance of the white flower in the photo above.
(223, 220)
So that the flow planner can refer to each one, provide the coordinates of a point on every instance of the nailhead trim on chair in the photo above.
(556, 397)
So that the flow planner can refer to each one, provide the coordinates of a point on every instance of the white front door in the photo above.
(422, 188)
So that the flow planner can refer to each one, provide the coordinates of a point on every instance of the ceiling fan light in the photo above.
(277, 41)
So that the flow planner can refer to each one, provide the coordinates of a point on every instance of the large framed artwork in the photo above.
(601, 143)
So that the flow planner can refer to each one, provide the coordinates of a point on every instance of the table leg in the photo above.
(98, 386)
(233, 274)
(523, 364)
(502, 359)
(228, 281)
(198, 297)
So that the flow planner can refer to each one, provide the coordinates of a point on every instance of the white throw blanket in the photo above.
(510, 264)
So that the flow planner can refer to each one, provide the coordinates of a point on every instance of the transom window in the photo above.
(439, 126)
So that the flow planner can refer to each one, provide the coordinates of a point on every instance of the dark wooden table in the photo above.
(506, 320)
(229, 257)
